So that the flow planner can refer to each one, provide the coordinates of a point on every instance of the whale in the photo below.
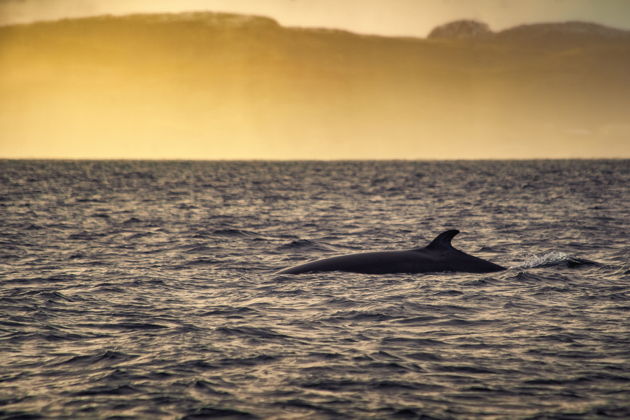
(438, 256)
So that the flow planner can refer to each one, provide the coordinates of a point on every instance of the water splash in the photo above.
(555, 258)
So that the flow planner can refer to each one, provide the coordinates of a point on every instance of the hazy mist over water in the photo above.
(221, 86)
(145, 289)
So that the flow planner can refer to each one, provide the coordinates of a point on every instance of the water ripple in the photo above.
(144, 290)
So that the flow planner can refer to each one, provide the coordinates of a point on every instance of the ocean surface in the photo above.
(132, 289)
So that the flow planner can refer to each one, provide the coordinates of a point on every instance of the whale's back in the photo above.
(365, 262)
(438, 256)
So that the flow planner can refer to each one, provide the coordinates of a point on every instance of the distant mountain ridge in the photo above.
(208, 18)
(458, 29)
(461, 29)
(243, 85)
(566, 31)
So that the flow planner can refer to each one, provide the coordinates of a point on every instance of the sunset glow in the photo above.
(217, 86)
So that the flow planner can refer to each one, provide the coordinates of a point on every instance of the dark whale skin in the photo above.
(438, 256)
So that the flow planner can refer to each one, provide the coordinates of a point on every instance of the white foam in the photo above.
(546, 260)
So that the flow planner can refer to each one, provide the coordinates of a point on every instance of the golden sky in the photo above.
(75, 92)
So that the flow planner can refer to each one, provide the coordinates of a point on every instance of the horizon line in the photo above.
(314, 160)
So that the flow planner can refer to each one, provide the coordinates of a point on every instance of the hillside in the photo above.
(231, 86)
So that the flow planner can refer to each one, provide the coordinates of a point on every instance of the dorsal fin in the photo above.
(443, 240)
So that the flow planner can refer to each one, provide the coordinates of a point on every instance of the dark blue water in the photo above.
(144, 290)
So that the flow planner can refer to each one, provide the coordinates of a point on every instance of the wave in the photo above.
(305, 244)
(555, 258)
(107, 357)
(233, 232)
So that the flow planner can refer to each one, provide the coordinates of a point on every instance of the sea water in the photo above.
(143, 289)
